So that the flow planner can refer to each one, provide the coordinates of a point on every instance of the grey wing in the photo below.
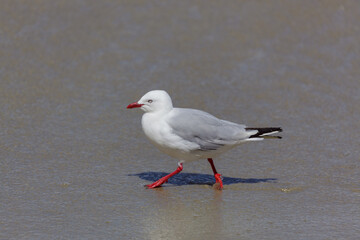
(207, 131)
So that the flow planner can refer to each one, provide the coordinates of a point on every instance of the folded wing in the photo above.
(207, 131)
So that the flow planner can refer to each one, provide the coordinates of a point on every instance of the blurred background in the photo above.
(73, 160)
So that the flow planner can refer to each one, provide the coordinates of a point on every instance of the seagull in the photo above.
(189, 134)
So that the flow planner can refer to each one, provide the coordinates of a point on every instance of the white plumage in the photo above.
(189, 134)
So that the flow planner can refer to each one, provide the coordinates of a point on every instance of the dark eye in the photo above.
(150, 101)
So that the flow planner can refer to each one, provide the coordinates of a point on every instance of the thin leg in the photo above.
(219, 184)
(163, 180)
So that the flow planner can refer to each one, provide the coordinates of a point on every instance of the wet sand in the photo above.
(74, 160)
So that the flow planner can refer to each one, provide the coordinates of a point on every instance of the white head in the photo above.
(154, 101)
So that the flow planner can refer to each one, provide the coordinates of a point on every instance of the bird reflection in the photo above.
(183, 216)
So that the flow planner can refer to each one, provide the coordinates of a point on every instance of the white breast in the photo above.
(160, 134)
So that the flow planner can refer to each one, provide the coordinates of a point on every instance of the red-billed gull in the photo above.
(189, 134)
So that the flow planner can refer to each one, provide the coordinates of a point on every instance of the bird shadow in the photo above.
(197, 178)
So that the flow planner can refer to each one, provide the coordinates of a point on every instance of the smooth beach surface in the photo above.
(73, 159)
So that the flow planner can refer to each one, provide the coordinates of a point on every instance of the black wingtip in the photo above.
(271, 137)
(265, 132)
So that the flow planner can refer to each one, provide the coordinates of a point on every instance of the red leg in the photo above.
(163, 180)
(219, 184)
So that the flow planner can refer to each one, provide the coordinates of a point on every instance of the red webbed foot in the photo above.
(219, 184)
(163, 180)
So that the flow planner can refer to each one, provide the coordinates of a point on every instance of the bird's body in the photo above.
(190, 134)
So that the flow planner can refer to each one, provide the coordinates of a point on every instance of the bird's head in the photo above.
(153, 101)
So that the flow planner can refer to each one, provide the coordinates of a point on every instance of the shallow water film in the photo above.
(73, 159)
